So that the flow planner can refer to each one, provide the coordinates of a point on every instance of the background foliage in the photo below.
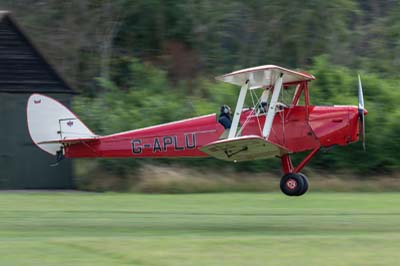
(139, 63)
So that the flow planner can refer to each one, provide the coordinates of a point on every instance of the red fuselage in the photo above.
(297, 128)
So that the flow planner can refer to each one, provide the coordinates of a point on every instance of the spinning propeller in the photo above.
(361, 114)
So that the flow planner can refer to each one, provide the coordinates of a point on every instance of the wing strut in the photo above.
(272, 105)
(238, 110)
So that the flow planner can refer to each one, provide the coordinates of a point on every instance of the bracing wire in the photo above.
(255, 105)
(258, 117)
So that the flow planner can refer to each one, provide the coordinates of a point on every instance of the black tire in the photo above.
(305, 181)
(292, 184)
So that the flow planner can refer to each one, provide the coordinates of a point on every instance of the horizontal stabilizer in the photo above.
(245, 148)
(68, 141)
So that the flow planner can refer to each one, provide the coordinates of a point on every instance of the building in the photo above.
(23, 71)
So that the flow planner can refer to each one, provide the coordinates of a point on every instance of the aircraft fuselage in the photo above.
(296, 128)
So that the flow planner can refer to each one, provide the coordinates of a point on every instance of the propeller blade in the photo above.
(361, 112)
(360, 94)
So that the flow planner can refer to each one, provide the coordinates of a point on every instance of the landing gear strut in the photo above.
(294, 184)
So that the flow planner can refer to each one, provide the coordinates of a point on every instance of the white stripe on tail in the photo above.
(50, 122)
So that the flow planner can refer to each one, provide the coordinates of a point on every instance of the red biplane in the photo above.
(281, 122)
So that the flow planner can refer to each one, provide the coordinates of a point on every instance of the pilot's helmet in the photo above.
(225, 109)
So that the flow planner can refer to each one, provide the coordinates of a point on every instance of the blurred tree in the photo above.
(161, 53)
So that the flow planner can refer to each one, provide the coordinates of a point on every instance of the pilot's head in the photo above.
(225, 109)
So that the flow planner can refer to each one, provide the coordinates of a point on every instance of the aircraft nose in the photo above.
(365, 111)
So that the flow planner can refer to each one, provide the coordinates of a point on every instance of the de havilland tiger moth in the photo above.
(275, 126)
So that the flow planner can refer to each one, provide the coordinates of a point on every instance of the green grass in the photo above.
(203, 229)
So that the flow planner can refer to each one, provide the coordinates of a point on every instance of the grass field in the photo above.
(199, 229)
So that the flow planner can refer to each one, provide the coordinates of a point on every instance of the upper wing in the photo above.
(264, 76)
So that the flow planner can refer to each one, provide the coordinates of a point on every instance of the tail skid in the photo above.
(51, 125)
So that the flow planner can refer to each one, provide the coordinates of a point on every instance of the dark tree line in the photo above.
(92, 38)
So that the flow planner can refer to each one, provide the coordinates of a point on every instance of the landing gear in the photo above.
(305, 187)
(294, 184)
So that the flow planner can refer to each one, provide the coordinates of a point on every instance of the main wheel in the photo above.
(292, 184)
(305, 187)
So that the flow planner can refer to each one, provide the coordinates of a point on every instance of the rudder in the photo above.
(49, 120)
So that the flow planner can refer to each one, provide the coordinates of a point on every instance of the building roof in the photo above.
(23, 68)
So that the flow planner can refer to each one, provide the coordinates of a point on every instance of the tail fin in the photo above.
(50, 124)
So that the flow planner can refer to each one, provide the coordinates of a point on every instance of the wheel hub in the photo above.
(291, 184)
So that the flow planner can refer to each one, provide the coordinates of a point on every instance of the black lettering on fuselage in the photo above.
(167, 140)
(136, 146)
(156, 145)
(176, 146)
(190, 140)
